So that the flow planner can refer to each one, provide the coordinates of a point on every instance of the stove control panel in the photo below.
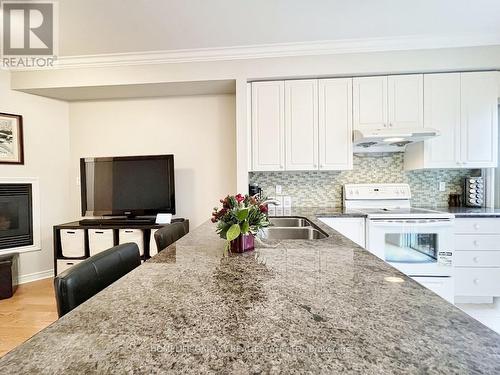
(376, 191)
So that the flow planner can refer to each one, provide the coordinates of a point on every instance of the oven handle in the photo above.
(415, 223)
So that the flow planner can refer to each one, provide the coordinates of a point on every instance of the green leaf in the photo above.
(245, 227)
(242, 214)
(233, 232)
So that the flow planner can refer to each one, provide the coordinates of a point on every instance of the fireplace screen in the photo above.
(16, 217)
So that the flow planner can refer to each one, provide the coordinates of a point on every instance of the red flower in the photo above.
(263, 208)
(214, 220)
(240, 198)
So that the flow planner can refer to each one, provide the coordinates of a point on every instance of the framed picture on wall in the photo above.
(11, 139)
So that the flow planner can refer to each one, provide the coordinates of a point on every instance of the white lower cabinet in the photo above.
(477, 258)
(351, 227)
(477, 281)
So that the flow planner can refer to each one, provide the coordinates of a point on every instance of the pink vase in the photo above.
(244, 242)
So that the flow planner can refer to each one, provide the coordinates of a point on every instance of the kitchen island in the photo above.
(318, 306)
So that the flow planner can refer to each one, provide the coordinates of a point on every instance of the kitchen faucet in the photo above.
(274, 202)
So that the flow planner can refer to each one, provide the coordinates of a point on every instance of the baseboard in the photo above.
(22, 279)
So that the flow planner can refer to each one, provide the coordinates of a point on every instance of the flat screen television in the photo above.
(129, 185)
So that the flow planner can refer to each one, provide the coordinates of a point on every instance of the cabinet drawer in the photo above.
(486, 226)
(64, 264)
(133, 235)
(100, 240)
(477, 281)
(477, 258)
(73, 243)
(477, 242)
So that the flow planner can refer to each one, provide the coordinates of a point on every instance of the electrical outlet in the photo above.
(278, 189)
(442, 186)
(78, 182)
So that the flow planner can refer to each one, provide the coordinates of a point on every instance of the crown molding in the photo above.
(328, 47)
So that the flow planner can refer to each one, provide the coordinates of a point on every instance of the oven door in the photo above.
(416, 247)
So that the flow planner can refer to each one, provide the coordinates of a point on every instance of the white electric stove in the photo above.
(418, 242)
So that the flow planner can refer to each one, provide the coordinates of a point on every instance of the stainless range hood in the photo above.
(390, 140)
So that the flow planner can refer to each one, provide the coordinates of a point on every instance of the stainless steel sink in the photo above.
(289, 222)
(291, 233)
(291, 228)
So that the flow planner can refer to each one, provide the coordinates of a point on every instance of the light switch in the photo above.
(278, 189)
(442, 186)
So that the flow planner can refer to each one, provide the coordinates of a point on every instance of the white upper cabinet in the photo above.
(463, 107)
(441, 112)
(406, 101)
(370, 102)
(294, 129)
(479, 120)
(301, 124)
(388, 102)
(335, 124)
(268, 126)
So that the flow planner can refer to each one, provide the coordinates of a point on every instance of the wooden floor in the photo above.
(32, 308)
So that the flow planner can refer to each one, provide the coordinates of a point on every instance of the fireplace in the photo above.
(16, 216)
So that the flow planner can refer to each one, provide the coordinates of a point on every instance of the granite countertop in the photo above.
(464, 212)
(322, 306)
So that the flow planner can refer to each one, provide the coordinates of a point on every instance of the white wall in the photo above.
(69, 81)
(46, 152)
(198, 130)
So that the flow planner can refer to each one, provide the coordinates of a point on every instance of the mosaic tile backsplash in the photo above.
(324, 189)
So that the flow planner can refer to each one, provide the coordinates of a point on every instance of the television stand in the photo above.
(74, 242)
(118, 221)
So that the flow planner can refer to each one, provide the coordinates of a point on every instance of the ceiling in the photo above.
(90, 27)
(150, 90)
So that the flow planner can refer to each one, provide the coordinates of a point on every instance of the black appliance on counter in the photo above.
(254, 189)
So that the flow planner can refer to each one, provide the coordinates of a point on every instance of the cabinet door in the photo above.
(351, 227)
(268, 126)
(370, 102)
(335, 124)
(442, 112)
(479, 120)
(406, 101)
(301, 124)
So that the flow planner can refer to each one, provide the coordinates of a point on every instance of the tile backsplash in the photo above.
(324, 188)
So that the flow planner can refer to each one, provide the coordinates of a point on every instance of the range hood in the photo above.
(390, 140)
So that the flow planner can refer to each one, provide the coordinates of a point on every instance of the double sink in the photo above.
(291, 228)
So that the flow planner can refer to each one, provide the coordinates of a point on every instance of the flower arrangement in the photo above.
(239, 219)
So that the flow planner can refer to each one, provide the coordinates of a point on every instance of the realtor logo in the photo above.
(29, 33)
